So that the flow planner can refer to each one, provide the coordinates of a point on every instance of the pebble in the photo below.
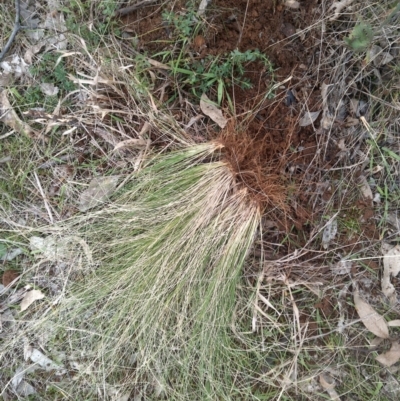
(288, 29)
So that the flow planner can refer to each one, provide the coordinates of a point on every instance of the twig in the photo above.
(131, 9)
(44, 199)
(242, 27)
(17, 27)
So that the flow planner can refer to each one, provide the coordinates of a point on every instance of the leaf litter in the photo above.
(99, 191)
(391, 268)
(29, 298)
(329, 233)
(390, 357)
(10, 118)
(308, 118)
(371, 319)
(210, 109)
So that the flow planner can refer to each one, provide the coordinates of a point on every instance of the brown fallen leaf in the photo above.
(211, 110)
(391, 357)
(9, 276)
(372, 320)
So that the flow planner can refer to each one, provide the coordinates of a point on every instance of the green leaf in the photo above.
(3, 249)
(184, 71)
(220, 90)
(391, 153)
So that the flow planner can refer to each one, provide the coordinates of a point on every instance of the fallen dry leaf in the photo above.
(376, 342)
(130, 143)
(372, 320)
(15, 65)
(394, 323)
(202, 7)
(342, 267)
(292, 4)
(49, 89)
(377, 55)
(328, 384)
(9, 117)
(31, 51)
(308, 118)
(20, 386)
(14, 298)
(29, 16)
(391, 268)
(42, 360)
(100, 189)
(351, 122)
(211, 110)
(29, 298)
(338, 6)
(329, 233)
(365, 189)
(391, 357)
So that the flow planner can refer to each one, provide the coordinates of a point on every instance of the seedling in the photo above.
(360, 37)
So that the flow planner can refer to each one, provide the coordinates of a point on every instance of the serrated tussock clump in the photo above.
(170, 250)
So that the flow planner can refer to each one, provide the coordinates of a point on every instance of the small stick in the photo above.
(44, 199)
(17, 27)
(131, 9)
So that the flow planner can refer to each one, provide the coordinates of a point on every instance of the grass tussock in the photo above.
(171, 251)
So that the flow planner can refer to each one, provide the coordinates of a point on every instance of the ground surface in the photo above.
(280, 141)
(328, 188)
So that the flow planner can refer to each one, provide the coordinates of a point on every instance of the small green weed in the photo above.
(185, 25)
(360, 37)
(49, 71)
(223, 72)
(45, 70)
(211, 72)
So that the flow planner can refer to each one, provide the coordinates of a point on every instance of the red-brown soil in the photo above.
(284, 164)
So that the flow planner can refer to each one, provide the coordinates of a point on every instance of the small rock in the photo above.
(288, 29)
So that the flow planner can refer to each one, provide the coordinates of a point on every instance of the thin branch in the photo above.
(17, 27)
(131, 9)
